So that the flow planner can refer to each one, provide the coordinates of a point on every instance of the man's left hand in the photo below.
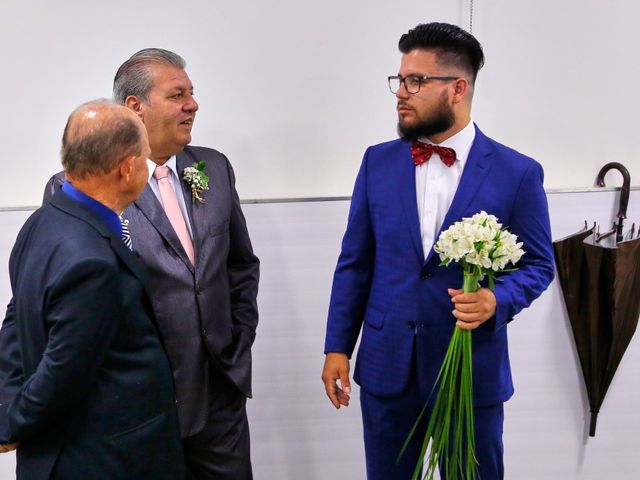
(473, 309)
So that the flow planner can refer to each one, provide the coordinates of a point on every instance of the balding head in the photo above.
(98, 136)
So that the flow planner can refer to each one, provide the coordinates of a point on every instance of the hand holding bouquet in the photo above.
(482, 248)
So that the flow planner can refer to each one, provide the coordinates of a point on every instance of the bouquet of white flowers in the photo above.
(482, 248)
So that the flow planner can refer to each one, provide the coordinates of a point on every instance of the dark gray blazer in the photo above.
(207, 315)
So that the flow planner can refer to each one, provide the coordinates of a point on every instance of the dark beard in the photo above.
(440, 121)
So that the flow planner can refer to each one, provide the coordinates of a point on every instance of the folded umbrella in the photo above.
(600, 280)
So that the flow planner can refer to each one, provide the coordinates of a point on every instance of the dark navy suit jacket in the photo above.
(384, 287)
(85, 384)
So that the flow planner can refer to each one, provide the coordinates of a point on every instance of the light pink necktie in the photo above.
(172, 209)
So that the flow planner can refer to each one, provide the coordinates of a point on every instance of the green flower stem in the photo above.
(449, 440)
(471, 281)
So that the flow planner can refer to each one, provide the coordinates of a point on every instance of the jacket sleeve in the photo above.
(353, 274)
(81, 313)
(11, 376)
(243, 267)
(530, 222)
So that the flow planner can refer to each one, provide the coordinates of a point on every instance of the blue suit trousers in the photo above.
(387, 422)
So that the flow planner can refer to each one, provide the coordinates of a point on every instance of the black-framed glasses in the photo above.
(412, 82)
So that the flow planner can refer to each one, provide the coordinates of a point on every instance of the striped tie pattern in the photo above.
(126, 236)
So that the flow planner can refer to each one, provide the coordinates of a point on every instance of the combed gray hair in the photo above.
(134, 76)
(98, 136)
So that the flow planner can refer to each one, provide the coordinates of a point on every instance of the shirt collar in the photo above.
(461, 142)
(171, 163)
(110, 217)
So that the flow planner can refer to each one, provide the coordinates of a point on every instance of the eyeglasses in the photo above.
(412, 82)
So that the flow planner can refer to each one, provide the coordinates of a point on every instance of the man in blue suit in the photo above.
(387, 282)
(86, 390)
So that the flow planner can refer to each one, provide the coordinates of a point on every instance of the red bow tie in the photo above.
(422, 152)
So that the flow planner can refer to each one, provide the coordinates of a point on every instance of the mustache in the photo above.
(400, 105)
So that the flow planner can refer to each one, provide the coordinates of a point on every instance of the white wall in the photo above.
(294, 90)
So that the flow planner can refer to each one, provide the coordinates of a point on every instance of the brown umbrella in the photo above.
(600, 280)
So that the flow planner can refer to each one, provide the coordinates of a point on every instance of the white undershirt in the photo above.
(174, 180)
(436, 184)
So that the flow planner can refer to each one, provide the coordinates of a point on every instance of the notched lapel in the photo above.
(139, 271)
(407, 190)
(131, 261)
(70, 207)
(473, 176)
(152, 209)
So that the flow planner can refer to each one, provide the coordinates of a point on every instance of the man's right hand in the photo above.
(336, 367)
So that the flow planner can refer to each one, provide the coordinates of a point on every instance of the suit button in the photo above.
(411, 325)
(197, 289)
(424, 275)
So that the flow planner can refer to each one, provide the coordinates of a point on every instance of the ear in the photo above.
(134, 103)
(461, 88)
(126, 168)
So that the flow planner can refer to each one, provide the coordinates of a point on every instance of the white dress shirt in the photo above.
(436, 184)
(174, 180)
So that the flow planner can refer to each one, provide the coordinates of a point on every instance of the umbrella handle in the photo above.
(626, 186)
(624, 194)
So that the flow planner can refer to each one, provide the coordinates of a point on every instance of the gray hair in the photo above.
(134, 76)
(98, 136)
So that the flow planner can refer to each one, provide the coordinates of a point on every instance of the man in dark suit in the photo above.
(388, 283)
(85, 385)
(203, 273)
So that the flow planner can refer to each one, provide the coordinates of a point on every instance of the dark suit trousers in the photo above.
(221, 450)
(388, 421)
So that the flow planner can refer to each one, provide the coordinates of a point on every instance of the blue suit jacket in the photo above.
(384, 286)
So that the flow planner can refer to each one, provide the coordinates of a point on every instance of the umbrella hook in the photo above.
(624, 194)
(599, 237)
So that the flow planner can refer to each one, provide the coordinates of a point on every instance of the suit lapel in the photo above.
(61, 201)
(407, 189)
(195, 211)
(132, 262)
(152, 209)
(474, 174)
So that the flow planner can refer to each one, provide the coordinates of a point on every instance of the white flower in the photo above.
(197, 179)
(480, 241)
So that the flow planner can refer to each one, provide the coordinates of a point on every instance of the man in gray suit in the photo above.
(192, 236)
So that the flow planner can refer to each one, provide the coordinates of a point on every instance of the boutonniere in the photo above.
(197, 180)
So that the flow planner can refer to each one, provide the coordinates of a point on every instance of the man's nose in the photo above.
(402, 91)
(191, 105)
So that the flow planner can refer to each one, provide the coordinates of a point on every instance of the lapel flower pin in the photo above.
(197, 180)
